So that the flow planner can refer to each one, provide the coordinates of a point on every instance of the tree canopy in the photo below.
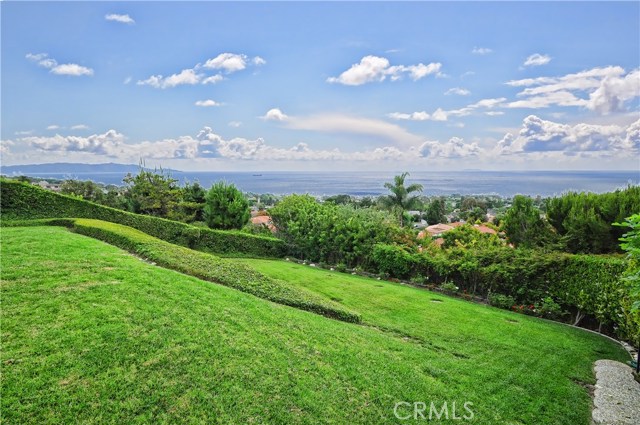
(402, 198)
(523, 224)
(226, 207)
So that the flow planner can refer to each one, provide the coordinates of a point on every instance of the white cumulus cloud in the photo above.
(614, 91)
(5, 146)
(377, 69)
(275, 114)
(43, 60)
(71, 69)
(124, 19)
(453, 148)
(206, 144)
(207, 103)
(457, 91)
(229, 62)
(538, 135)
(443, 115)
(187, 76)
(604, 90)
(224, 62)
(213, 79)
(258, 61)
(537, 59)
(103, 144)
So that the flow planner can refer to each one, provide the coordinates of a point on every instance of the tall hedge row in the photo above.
(23, 201)
(583, 284)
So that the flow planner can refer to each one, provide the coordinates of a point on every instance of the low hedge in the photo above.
(211, 268)
(23, 201)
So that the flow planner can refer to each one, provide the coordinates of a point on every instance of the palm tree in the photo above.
(400, 198)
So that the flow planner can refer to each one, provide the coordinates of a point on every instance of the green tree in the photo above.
(436, 212)
(366, 202)
(469, 237)
(582, 220)
(468, 203)
(631, 244)
(523, 225)
(114, 198)
(401, 199)
(631, 278)
(85, 189)
(152, 192)
(475, 214)
(193, 201)
(226, 207)
(334, 233)
(339, 199)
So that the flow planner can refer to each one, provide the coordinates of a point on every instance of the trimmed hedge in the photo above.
(585, 284)
(392, 260)
(211, 268)
(23, 201)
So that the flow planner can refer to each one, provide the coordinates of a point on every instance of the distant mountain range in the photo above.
(71, 168)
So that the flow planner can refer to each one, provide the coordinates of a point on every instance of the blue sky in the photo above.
(323, 85)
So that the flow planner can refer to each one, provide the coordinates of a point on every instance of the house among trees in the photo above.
(435, 231)
(263, 220)
(49, 186)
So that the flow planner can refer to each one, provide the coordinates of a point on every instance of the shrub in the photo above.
(529, 310)
(419, 279)
(549, 309)
(333, 233)
(501, 301)
(226, 207)
(392, 259)
(449, 287)
(583, 284)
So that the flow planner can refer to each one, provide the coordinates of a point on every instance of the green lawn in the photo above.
(91, 334)
(518, 362)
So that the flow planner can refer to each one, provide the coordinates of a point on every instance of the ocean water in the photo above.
(504, 183)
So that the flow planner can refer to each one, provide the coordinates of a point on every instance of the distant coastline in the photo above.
(467, 182)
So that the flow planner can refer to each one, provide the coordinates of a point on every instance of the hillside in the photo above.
(93, 334)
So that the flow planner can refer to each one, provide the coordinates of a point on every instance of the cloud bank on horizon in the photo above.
(329, 96)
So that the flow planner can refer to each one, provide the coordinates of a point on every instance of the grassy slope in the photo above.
(209, 267)
(516, 363)
(91, 334)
